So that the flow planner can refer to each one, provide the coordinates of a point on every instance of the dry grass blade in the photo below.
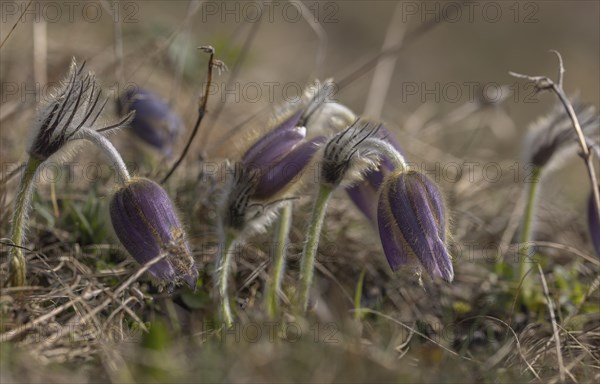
(567, 248)
(550, 305)
(16, 23)
(383, 315)
(491, 362)
(384, 70)
(232, 77)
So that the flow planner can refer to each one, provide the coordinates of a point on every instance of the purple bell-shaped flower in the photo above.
(154, 122)
(280, 156)
(412, 223)
(274, 164)
(145, 222)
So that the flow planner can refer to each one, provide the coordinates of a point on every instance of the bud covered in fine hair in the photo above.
(275, 144)
(282, 154)
(553, 133)
(364, 193)
(274, 164)
(154, 122)
(412, 223)
(73, 106)
(594, 224)
(145, 222)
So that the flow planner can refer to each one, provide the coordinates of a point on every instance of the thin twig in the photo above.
(545, 83)
(233, 75)
(550, 304)
(201, 110)
(16, 23)
(517, 341)
(314, 24)
(193, 7)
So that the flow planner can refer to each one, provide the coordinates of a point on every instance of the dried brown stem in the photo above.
(201, 110)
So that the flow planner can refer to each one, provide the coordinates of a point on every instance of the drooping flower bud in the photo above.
(364, 193)
(155, 122)
(276, 143)
(74, 105)
(274, 179)
(145, 222)
(594, 224)
(276, 161)
(412, 223)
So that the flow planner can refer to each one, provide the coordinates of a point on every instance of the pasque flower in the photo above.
(154, 122)
(412, 223)
(145, 222)
(547, 138)
(279, 156)
(410, 214)
(275, 162)
(282, 154)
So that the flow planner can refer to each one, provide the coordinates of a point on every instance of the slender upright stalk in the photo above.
(281, 241)
(311, 245)
(358, 295)
(227, 251)
(18, 264)
(527, 224)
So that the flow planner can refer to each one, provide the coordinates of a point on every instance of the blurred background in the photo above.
(466, 49)
(444, 89)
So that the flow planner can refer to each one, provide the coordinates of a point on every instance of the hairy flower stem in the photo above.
(110, 151)
(18, 264)
(524, 247)
(311, 245)
(17, 260)
(281, 240)
(229, 245)
(386, 149)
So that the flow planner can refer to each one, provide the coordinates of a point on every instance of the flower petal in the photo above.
(275, 143)
(274, 179)
(412, 208)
